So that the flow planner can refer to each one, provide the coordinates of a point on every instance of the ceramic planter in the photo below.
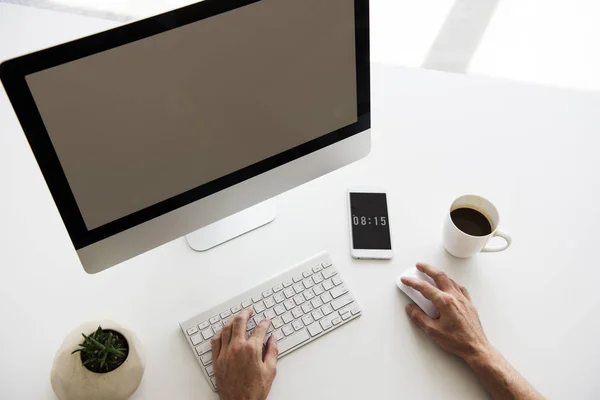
(72, 381)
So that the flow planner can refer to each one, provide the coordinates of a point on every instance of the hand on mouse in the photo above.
(458, 329)
(243, 372)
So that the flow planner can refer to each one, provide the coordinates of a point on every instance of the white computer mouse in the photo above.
(416, 296)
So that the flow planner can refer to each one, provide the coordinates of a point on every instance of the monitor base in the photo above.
(233, 226)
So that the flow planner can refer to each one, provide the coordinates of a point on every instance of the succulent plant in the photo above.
(103, 350)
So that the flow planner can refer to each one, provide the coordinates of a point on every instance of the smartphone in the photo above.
(370, 233)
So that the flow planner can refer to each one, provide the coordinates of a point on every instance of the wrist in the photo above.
(481, 356)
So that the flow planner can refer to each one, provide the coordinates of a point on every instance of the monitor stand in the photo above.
(233, 226)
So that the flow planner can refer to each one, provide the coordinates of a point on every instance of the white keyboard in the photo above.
(303, 304)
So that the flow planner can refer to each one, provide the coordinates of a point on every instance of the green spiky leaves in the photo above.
(103, 350)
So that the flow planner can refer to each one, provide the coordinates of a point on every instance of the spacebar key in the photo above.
(293, 340)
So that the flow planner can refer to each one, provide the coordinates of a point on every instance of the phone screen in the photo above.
(370, 221)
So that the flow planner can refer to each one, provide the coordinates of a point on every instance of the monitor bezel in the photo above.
(13, 73)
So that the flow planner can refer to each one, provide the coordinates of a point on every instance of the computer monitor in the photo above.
(152, 130)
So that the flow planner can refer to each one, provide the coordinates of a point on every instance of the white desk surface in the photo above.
(532, 150)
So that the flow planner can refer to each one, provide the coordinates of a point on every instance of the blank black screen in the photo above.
(370, 222)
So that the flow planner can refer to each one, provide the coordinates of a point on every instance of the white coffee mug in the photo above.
(463, 245)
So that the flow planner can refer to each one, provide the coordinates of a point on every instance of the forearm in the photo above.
(500, 379)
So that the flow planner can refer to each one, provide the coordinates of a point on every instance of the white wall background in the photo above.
(552, 42)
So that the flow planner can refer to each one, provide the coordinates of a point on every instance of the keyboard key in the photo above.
(330, 317)
(225, 314)
(326, 264)
(257, 318)
(325, 323)
(307, 273)
(213, 380)
(277, 322)
(235, 309)
(217, 327)
(203, 325)
(298, 288)
(267, 293)
(337, 280)
(342, 301)
(297, 325)
(289, 292)
(251, 325)
(206, 358)
(308, 283)
(279, 309)
(210, 371)
(326, 309)
(207, 333)
(337, 320)
(247, 303)
(287, 317)
(316, 302)
(270, 314)
(192, 330)
(346, 316)
(289, 304)
(297, 278)
(299, 300)
(317, 268)
(326, 298)
(346, 309)
(270, 302)
(306, 307)
(338, 291)
(308, 295)
(293, 340)
(328, 273)
(317, 315)
(287, 330)
(308, 319)
(315, 329)
(214, 319)
(277, 288)
(318, 289)
(257, 298)
(203, 348)
(279, 297)
(297, 312)
(259, 307)
(278, 335)
(317, 278)
(287, 283)
(328, 285)
(196, 339)
(270, 330)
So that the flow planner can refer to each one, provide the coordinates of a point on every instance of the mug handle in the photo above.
(493, 249)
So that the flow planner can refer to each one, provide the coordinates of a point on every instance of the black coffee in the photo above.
(471, 221)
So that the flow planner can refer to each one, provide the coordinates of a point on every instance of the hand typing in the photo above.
(243, 372)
